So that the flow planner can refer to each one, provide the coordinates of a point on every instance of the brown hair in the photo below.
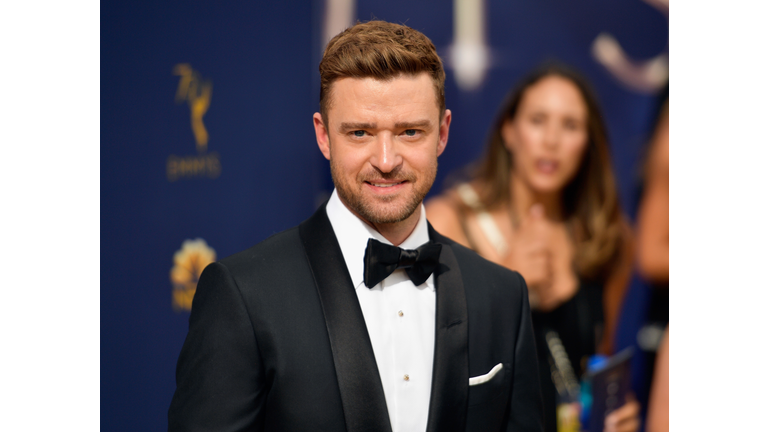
(380, 50)
(590, 200)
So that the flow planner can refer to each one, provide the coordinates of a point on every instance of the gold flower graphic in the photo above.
(188, 265)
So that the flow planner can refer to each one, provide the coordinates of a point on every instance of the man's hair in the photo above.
(379, 50)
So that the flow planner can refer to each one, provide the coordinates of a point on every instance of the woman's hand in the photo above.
(530, 253)
(626, 418)
(542, 252)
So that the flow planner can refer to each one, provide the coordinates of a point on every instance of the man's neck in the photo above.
(396, 232)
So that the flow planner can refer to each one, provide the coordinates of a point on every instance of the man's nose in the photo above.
(386, 156)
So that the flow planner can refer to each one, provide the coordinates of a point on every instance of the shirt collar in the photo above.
(353, 234)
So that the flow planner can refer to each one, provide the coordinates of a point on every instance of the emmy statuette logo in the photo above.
(188, 265)
(196, 92)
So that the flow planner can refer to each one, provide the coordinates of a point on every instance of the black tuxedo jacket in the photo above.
(277, 342)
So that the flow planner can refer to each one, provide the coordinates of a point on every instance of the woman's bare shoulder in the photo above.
(444, 213)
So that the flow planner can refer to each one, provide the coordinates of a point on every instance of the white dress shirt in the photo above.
(400, 318)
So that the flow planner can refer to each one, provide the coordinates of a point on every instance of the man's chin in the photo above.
(382, 208)
(387, 211)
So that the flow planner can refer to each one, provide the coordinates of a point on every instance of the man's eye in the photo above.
(359, 133)
(410, 132)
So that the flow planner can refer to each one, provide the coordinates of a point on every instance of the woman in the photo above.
(653, 213)
(543, 202)
(653, 266)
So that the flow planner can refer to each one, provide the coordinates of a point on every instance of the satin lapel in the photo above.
(450, 375)
(362, 396)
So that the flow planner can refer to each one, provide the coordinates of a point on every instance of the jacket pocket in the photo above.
(488, 388)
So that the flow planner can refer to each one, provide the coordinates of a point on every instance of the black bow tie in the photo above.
(382, 259)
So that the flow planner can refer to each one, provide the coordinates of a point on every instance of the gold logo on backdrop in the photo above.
(188, 265)
(196, 92)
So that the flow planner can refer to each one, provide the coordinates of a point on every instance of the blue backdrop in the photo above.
(208, 147)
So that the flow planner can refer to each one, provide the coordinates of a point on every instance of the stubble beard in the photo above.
(375, 209)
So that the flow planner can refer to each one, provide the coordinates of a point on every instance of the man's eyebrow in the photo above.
(356, 126)
(413, 125)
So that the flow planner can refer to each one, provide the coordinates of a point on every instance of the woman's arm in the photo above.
(658, 404)
(653, 215)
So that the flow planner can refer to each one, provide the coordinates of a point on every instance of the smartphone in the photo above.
(610, 384)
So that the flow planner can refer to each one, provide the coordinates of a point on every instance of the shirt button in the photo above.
(406, 377)
(399, 313)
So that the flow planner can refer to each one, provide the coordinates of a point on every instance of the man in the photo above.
(327, 326)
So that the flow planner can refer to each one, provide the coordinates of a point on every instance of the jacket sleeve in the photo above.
(220, 383)
(526, 406)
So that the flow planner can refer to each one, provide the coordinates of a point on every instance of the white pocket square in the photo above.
(487, 377)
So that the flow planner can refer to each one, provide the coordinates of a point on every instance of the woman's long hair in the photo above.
(590, 202)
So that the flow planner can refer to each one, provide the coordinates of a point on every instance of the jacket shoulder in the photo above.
(486, 281)
(474, 264)
(277, 250)
(470, 260)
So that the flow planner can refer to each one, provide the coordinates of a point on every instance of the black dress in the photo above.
(579, 324)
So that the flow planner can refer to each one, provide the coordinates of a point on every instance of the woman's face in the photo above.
(548, 135)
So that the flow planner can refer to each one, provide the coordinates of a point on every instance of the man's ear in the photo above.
(321, 133)
(444, 126)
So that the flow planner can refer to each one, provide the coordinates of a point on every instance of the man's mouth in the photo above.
(385, 185)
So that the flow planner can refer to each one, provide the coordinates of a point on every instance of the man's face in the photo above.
(383, 139)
